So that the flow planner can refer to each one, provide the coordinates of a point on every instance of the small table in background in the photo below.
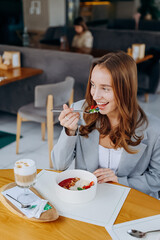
(145, 58)
(16, 74)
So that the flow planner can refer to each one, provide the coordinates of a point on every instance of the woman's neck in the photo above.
(114, 122)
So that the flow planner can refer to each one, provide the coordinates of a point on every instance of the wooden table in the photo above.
(145, 58)
(12, 227)
(17, 74)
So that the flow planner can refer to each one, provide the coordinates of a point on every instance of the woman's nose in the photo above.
(96, 94)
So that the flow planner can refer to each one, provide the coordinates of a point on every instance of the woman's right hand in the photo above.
(69, 120)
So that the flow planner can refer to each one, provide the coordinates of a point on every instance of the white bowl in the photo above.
(72, 196)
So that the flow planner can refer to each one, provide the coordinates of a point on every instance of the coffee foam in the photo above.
(25, 167)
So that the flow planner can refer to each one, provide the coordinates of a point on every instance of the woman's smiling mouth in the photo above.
(102, 105)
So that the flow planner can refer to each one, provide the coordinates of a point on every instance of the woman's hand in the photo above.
(69, 120)
(105, 175)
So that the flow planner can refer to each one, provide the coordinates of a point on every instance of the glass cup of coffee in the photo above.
(25, 177)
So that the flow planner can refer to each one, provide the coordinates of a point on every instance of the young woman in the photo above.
(83, 38)
(120, 143)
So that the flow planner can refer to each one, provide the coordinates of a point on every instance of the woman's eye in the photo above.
(106, 89)
(92, 85)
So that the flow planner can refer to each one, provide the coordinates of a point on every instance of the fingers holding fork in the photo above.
(69, 119)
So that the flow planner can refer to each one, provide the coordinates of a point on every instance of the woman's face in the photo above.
(78, 29)
(102, 91)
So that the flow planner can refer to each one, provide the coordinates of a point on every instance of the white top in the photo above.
(109, 157)
(83, 40)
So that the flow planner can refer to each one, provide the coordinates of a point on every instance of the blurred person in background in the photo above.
(83, 38)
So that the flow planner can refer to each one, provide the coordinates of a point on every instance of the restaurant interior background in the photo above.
(17, 16)
(33, 29)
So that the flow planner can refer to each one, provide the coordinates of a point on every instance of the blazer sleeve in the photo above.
(149, 181)
(64, 151)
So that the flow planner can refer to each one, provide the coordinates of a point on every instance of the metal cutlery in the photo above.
(22, 205)
(80, 111)
(139, 234)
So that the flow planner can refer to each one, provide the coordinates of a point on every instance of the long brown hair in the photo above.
(79, 21)
(123, 70)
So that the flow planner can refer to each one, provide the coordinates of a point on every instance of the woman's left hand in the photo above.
(105, 175)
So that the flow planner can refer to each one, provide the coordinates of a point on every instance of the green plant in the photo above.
(149, 7)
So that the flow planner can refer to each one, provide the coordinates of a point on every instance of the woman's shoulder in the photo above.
(153, 124)
(150, 129)
(87, 33)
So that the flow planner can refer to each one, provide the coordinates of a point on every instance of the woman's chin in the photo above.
(103, 111)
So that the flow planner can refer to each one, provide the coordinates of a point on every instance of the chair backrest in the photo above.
(61, 92)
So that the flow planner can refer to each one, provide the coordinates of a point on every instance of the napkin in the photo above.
(38, 204)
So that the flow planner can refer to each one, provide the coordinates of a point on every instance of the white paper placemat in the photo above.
(119, 231)
(102, 210)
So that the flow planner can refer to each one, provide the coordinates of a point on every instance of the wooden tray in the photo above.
(47, 216)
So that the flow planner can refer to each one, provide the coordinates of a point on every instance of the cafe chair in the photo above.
(47, 97)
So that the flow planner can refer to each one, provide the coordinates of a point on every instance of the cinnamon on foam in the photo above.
(25, 167)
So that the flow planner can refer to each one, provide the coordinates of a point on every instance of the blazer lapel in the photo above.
(128, 161)
(90, 148)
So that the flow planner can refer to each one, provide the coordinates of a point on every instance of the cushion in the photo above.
(121, 24)
(149, 25)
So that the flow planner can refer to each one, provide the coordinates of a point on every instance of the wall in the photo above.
(35, 14)
(125, 9)
(56, 12)
(40, 14)
(113, 10)
(101, 12)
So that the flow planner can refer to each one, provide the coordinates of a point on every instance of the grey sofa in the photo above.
(117, 39)
(56, 66)
(117, 35)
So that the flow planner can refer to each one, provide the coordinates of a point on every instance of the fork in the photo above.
(22, 205)
(80, 111)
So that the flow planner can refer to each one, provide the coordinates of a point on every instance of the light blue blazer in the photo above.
(140, 171)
